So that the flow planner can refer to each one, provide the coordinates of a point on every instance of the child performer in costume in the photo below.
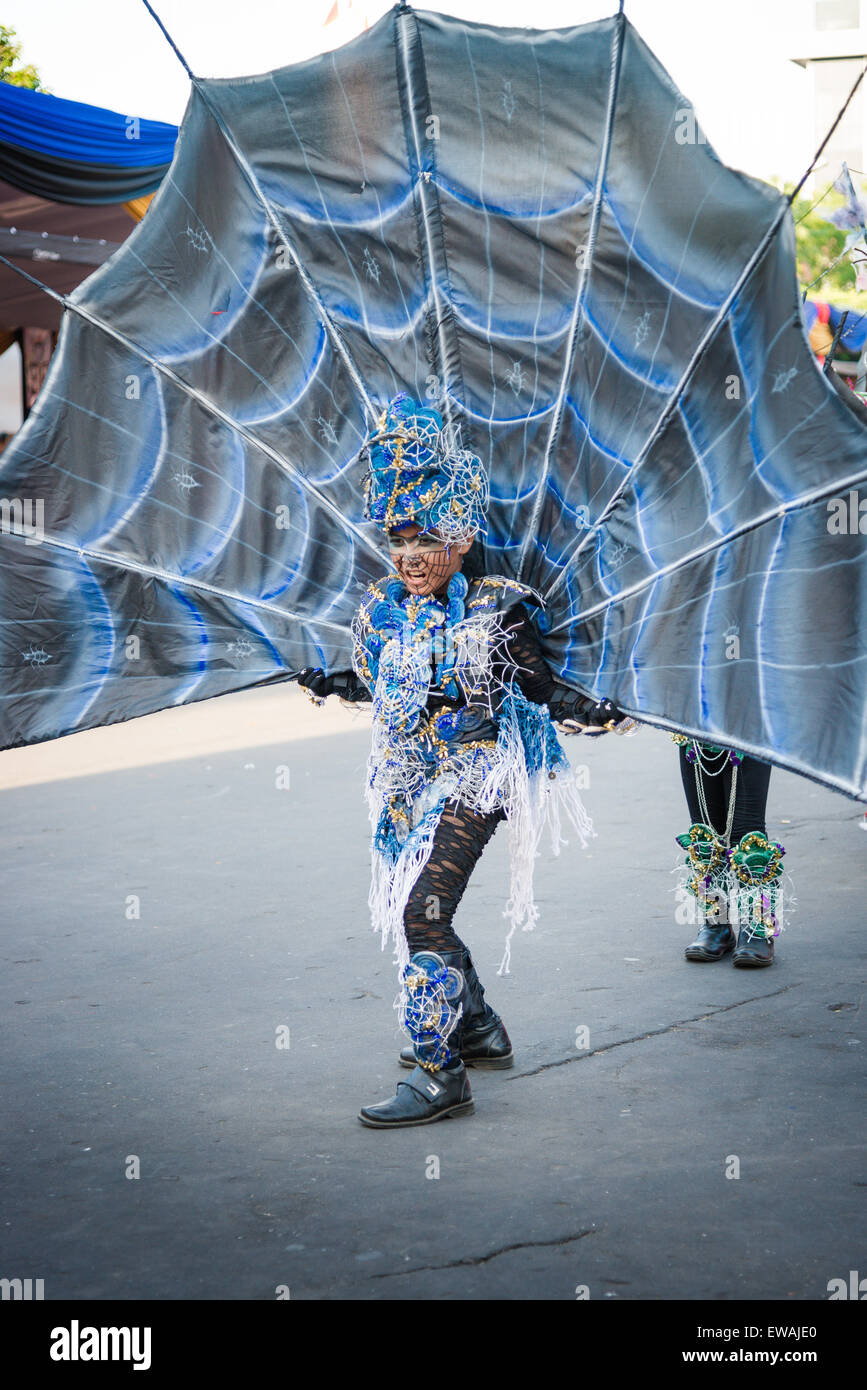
(463, 703)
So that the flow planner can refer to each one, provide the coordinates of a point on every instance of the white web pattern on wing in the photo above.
(394, 332)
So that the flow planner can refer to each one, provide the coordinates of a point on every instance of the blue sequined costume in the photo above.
(460, 702)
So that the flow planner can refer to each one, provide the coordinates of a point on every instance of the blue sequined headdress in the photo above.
(417, 471)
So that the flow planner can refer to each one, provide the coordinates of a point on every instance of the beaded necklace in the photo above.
(698, 754)
(412, 633)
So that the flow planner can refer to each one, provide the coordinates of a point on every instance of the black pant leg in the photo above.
(460, 839)
(751, 799)
(715, 789)
(751, 795)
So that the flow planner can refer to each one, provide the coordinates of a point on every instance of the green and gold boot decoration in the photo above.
(756, 865)
(707, 860)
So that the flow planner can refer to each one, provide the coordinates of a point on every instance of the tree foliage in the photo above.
(10, 55)
(823, 270)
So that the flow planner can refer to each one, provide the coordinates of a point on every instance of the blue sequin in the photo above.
(394, 590)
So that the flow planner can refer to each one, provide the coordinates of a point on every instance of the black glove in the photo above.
(345, 684)
(603, 713)
(572, 705)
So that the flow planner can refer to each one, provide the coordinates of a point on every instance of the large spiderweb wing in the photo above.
(625, 340)
(507, 223)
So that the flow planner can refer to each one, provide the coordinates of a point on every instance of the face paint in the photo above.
(422, 561)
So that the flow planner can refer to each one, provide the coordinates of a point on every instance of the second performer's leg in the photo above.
(715, 938)
(755, 946)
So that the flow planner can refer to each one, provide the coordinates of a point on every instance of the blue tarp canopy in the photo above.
(69, 152)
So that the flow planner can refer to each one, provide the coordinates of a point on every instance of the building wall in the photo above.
(832, 46)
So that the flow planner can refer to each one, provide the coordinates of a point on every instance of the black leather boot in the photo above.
(484, 1041)
(425, 1096)
(753, 948)
(714, 940)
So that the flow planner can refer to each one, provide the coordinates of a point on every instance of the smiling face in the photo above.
(423, 560)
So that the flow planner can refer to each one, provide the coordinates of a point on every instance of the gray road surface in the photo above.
(154, 1037)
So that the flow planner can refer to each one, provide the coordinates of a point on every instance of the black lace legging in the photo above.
(460, 838)
(751, 795)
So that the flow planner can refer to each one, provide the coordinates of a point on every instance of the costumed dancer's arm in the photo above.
(566, 706)
(356, 684)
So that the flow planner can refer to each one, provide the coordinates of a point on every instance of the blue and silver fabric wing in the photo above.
(529, 230)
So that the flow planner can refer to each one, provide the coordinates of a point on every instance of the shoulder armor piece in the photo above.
(495, 593)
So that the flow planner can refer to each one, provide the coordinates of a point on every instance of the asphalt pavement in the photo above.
(194, 1008)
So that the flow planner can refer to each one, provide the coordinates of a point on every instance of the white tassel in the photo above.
(531, 803)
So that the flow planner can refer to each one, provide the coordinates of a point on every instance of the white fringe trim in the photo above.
(500, 778)
(532, 803)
